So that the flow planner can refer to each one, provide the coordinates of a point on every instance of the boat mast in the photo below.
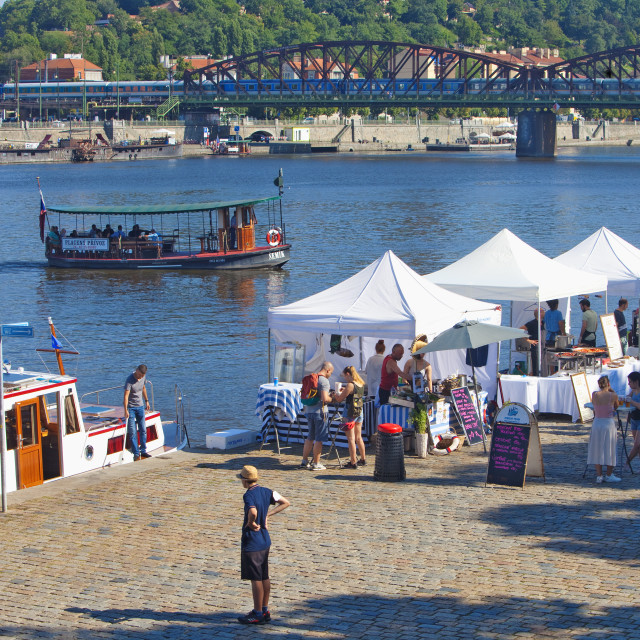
(57, 351)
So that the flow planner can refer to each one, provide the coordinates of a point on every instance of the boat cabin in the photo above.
(51, 434)
(204, 235)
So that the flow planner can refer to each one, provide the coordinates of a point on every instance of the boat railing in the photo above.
(181, 423)
(99, 391)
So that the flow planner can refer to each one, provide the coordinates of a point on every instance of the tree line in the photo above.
(137, 33)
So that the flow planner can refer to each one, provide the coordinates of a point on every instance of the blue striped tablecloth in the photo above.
(297, 429)
(395, 414)
(285, 396)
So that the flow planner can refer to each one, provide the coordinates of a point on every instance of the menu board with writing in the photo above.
(468, 415)
(508, 455)
(611, 335)
(582, 395)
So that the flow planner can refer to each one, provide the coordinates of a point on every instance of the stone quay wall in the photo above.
(364, 135)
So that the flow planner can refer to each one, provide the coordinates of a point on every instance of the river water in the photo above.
(207, 331)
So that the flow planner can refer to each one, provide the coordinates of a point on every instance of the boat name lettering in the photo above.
(276, 255)
(85, 244)
(218, 260)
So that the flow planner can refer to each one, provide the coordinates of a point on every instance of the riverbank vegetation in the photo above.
(127, 37)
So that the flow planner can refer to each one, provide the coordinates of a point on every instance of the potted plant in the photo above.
(420, 419)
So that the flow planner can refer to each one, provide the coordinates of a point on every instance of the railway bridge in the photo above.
(395, 74)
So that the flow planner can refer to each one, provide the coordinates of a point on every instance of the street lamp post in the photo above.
(40, 91)
(118, 90)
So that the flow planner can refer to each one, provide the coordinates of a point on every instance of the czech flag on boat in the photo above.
(43, 215)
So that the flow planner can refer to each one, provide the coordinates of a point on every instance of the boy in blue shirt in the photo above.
(254, 555)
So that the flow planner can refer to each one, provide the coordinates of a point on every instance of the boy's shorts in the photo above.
(254, 565)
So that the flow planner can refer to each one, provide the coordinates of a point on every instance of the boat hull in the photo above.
(263, 258)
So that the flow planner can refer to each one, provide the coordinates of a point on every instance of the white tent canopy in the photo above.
(605, 253)
(386, 300)
(506, 268)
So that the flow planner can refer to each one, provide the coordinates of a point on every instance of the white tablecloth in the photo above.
(555, 393)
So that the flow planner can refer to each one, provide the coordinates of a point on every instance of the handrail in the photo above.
(181, 425)
(99, 391)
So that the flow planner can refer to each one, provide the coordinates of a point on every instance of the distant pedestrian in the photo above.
(256, 542)
(621, 322)
(134, 411)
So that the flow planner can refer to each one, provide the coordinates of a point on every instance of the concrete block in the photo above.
(230, 439)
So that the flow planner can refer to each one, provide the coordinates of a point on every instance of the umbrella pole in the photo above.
(475, 386)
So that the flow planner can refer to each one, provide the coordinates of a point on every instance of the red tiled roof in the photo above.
(79, 64)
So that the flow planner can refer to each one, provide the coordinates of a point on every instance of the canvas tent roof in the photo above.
(387, 299)
(507, 268)
(606, 253)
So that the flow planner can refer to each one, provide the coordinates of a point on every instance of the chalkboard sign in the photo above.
(508, 455)
(467, 415)
(582, 395)
(611, 335)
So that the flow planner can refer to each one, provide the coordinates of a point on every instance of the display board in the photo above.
(516, 413)
(611, 335)
(467, 415)
(508, 454)
(582, 395)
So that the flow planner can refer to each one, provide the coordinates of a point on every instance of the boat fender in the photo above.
(452, 447)
(129, 156)
(274, 236)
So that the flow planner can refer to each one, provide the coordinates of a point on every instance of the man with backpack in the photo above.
(315, 400)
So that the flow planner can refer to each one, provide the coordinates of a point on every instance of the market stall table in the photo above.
(555, 393)
(275, 401)
(281, 409)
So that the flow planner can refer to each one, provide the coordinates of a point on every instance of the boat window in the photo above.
(71, 415)
(49, 412)
(28, 419)
(12, 432)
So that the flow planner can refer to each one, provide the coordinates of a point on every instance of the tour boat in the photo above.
(53, 433)
(206, 235)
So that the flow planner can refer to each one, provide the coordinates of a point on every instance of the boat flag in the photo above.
(55, 343)
(43, 215)
(556, 107)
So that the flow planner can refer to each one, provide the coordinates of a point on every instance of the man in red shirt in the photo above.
(390, 373)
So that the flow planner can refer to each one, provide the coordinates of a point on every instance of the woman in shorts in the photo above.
(352, 395)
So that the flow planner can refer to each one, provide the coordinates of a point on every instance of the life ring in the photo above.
(274, 236)
(444, 452)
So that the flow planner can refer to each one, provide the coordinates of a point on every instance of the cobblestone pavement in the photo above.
(151, 550)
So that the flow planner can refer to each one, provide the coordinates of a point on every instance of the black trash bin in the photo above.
(389, 454)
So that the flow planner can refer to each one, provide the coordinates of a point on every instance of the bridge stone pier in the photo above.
(536, 134)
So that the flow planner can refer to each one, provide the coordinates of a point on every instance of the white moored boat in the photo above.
(52, 433)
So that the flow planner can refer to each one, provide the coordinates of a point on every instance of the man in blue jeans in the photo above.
(134, 409)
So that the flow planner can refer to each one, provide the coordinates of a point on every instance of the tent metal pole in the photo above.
(606, 301)
(269, 354)
(361, 354)
(539, 341)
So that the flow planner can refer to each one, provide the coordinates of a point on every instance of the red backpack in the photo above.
(309, 392)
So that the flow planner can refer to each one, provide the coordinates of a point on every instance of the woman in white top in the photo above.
(373, 370)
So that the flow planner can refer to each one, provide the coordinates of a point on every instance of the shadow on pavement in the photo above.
(370, 616)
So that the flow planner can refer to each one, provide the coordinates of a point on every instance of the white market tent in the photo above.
(507, 268)
(605, 253)
(386, 300)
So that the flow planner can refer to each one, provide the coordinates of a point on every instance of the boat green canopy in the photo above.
(158, 209)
